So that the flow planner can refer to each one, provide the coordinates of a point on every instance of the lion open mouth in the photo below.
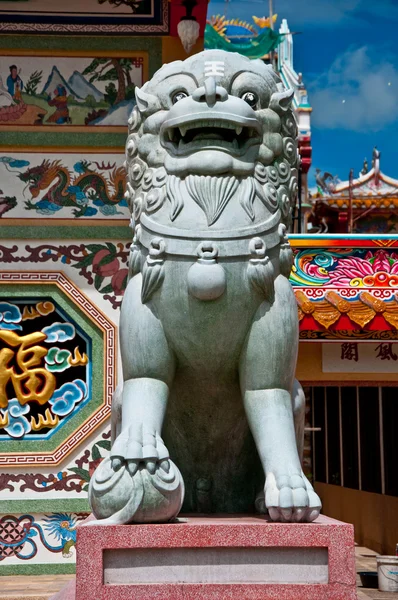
(210, 134)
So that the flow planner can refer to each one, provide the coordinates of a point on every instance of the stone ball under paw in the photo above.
(141, 498)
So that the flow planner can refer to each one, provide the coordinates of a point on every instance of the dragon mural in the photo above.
(64, 189)
(17, 533)
(6, 203)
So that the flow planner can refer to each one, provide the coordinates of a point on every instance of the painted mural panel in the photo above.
(69, 91)
(84, 281)
(96, 16)
(346, 268)
(40, 537)
(99, 268)
(62, 185)
(28, 535)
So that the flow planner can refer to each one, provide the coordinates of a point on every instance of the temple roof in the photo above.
(370, 189)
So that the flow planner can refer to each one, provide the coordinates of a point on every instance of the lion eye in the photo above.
(251, 98)
(179, 96)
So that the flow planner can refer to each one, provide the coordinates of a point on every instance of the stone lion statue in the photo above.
(209, 326)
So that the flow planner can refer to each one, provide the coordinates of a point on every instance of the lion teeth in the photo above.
(235, 144)
(170, 133)
(238, 130)
(183, 131)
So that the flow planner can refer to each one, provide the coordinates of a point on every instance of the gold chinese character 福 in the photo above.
(32, 382)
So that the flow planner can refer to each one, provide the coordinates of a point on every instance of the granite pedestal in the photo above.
(217, 558)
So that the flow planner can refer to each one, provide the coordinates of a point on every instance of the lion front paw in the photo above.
(291, 498)
(117, 497)
(137, 446)
(138, 483)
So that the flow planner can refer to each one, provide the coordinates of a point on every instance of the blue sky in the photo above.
(348, 54)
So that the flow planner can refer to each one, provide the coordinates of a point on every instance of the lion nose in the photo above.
(210, 93)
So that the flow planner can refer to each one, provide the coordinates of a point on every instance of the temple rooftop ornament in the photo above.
(236, 35)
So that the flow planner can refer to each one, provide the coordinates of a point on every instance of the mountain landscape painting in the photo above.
(68, 90)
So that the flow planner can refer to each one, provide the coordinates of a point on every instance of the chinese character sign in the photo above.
(385, 352)
(349, 351)
(357, 357)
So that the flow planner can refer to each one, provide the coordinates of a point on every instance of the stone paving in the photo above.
(40, 587)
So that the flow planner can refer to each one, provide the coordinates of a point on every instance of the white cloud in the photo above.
(359, 92)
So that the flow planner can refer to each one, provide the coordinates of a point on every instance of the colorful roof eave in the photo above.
(343, 240)
(360, 203)
(346, 286)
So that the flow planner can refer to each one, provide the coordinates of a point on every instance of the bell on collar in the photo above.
(206, 278)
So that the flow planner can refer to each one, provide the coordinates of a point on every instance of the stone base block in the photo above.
(217, 558)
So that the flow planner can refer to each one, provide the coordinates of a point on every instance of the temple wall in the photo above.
(374, 516)
(64, 241)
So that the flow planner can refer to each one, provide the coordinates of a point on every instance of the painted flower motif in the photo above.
(93, 464)
(119, 281)
(105, 264)
(374, 270)
(342, 269)
(319, 267)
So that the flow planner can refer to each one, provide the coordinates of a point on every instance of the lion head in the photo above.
(216, 123)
